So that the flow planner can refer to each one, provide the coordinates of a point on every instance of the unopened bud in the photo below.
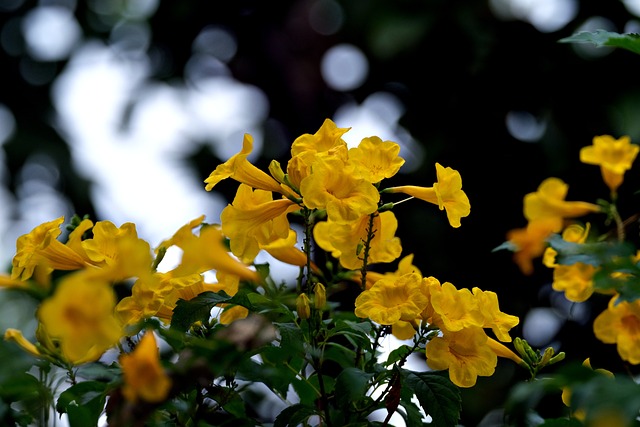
(546, 356)
(320, 296)
(302, 306)
(276, 171)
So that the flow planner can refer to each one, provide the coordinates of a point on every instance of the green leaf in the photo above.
(351, 386)
(83, 403)
(437, 395)
(602, 38)
(595, 254)
(294, 415)
(197, 309)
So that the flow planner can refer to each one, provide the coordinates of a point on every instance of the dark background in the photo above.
(458, 70)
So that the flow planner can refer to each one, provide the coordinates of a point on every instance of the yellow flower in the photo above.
(326, 140)
(620, 324)
(118, 251)
(144, 377)
(205, 252)
(16, 336)
(575, 280)
(404, 266)
(240, 169)
(503, 351)
(303, 306)
(80, 315)
(447, 193)
(548, 203)
(40, 248)
(530, 242)
(255, 219)
(192, 289)
(393, 299)
(501, 323)
(615, 157)
(574, 233)
(345, 240)
(454, 309)
(332, 187)
(464, 353)
(374, 159)
(285, 250)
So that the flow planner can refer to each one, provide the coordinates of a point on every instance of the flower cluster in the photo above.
(103, 298)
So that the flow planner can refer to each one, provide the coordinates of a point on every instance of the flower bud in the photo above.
(276, 171)
(320, 296)
(302, 306)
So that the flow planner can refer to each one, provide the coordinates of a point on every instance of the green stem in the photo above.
(367, 247)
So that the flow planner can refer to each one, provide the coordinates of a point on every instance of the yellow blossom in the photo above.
(454, 309)
(205, 251)
(405, 265)
(241, 170)
(620, 324)
(80, 315)
(530, 242)
(374, 159)
(614, 156)
(144, 377)
(548, 203)
(285, 250)
(328, 139)
(503, 351)
(345, 240)
(332, 187)
(501, 323)
(464, 353)
(255, 219)
(393, 299)
(40, 248)
(303, 306)
(575, 280)
(16, 336)
(447, 193)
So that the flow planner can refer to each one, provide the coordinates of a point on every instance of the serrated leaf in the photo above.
(602, 38)
(438, 396)
(196, 309)
(351, 385)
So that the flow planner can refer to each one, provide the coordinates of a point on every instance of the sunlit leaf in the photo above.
(437, 395)
(602, 38)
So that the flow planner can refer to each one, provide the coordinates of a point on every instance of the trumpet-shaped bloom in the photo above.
(80, 316)
(447, 193)
(530, 242)
(501, 323)
(328, 139)
(614, 156)
(16, 336)
(243, 171)
(374, 159)
(620, 324)
(393, 299)
(331, 187)
(205, 251)
(345, 240)
(405, 265)
(454, 309)
(144, 377)
(118, 251)
(575, 280)
(255, 219)
(285, 250)
(40, 248)
(548, 203)
(465, 353)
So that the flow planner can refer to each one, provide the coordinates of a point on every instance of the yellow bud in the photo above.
(276, 171)
(320, 296)
(302, 306)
